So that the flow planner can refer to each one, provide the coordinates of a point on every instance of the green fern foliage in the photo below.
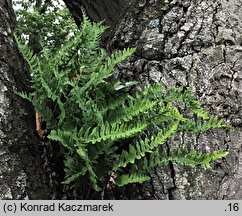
(144, 146)
(132, 178)
(32, 60)
(102, 128)
(203, 125)
(180, 156)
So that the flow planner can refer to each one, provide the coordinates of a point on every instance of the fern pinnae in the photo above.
(125, 179)
(122, 134)
(145, 146)
(113, 132)
(30, 57)
(203, 125)
(133, 109)
(106, 70)
(187, 97)
(182, 156)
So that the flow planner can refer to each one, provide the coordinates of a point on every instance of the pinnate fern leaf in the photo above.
(131, 178)
(102, 128)
(182, 156)
(112, 131)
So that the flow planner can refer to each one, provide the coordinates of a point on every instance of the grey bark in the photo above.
(107, 10)
(194, 43)
(21, 175)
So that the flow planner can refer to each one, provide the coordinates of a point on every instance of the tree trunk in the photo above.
(21, 172)
(194, 43)
(107, 10)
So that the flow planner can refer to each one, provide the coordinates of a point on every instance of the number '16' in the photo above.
(233, 206)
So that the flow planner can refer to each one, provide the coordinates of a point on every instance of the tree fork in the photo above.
(108, 10)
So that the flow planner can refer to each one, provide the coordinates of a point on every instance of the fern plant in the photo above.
(104, 130)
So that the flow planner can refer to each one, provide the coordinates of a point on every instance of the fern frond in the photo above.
(188, 98)
(183, 156)
(152, 92)
(28, 54)
(103, 148)
(131, 178)
(111, 131)
(202, 126)
(168, 113)
(144, 146)
(103, 128)
(72, 169)
(65, 137)
(132, 109)
(72, 178)
(194, 158)
(25, 95)
(106, 70)
(110, 105)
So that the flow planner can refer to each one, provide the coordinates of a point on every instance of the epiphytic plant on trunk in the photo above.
(103, 129)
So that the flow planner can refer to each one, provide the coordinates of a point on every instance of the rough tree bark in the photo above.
(107, 10)
(21, 175)
(184, 42)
